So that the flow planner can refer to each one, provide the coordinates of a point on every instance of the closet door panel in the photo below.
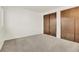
(77, 29)
(68, 28)
(46, 24)
(75, 14)
(53, 24)
(67, 25)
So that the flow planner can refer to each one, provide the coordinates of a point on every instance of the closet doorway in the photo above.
(50, 24)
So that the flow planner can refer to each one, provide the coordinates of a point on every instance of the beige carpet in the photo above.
(39, 43)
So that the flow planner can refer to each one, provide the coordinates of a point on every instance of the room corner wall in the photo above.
(21, 22)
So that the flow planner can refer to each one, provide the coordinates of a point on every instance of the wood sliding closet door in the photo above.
(50, 24)
(75, 14)
(70, 24)
(67, 27)
(53, 24)
(46, 24)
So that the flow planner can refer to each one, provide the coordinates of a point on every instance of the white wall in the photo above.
(2, 28)
(21, 22)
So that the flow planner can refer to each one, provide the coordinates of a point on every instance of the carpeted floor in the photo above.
(39, 43)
